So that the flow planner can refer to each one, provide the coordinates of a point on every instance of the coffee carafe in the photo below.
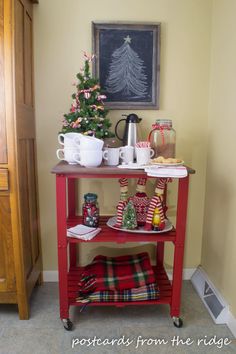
(131, 132)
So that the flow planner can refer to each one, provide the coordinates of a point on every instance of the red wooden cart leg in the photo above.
(160, 254)
(161, 245)
(62, 246)
(71, 205)
(71, 197)
(72, 250)
(179, 246)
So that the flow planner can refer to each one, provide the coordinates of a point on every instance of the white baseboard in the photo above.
(225, 317)
(187, 273)
(52, 275)
(231, 323)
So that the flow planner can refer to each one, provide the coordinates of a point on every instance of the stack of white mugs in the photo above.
(89, 151)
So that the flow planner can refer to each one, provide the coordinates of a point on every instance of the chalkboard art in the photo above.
(127, 63)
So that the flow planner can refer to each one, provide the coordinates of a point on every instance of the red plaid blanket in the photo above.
(117, 273)
(146, 292)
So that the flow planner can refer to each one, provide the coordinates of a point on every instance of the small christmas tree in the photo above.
(87, 113)
(129, 217)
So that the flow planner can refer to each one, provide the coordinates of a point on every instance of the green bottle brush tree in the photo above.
(129, 217)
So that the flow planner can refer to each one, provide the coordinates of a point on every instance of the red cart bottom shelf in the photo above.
(163, 282)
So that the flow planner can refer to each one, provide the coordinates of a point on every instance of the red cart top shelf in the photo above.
(75, 171)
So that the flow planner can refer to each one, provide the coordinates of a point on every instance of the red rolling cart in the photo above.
(70, 270)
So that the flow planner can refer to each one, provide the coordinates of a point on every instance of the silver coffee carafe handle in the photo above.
(117, 127)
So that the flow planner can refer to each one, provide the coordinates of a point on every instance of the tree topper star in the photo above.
(127, 39)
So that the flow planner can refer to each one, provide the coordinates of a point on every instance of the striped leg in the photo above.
(123, 182)
(162, 215)
(161, 191)
(155, 203)
(152, 206)
(161, 184)
(120, 209)
(123, 188)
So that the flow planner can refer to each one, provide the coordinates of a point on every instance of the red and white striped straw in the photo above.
(143, 144)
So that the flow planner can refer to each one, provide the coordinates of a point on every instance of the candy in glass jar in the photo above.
(90, 210)
(162, 138)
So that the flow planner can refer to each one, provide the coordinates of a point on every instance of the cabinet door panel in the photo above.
(28, 200)
(3, 142)
(19, 49)
(4, 180)
(28, 61)
(7, 272)
(31, 176)
(25, 119)
(24, 206)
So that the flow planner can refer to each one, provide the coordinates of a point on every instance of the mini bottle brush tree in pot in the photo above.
(87, 113)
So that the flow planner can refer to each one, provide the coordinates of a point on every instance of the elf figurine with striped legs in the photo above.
(156, 213)
(123, 201)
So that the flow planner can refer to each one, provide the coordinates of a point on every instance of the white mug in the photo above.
(89, 158)
(69, 140)
(90, 143)
(112, 156)
(127, 154)
(144, 154)
(67, 154)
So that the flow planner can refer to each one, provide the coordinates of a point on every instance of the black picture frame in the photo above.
(127, 63)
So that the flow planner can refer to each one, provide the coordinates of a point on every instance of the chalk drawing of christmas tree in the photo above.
(126, 72)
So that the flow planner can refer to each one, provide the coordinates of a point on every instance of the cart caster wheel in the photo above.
(67, 324)
(178, 322)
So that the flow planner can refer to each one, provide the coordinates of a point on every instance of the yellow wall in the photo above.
(219, 241)
(62, 31)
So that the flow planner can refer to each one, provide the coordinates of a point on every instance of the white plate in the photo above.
(166, 164)
(112, 221)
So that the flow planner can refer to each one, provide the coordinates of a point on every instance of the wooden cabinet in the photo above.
(20, 252)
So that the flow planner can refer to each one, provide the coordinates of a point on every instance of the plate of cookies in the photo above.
(161, 161)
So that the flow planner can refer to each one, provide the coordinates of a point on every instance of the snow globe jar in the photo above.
(90, 210)
(163, 138)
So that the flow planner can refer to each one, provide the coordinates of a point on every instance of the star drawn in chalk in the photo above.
(127, 39)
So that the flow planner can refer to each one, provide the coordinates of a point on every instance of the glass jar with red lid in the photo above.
(90, 210)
